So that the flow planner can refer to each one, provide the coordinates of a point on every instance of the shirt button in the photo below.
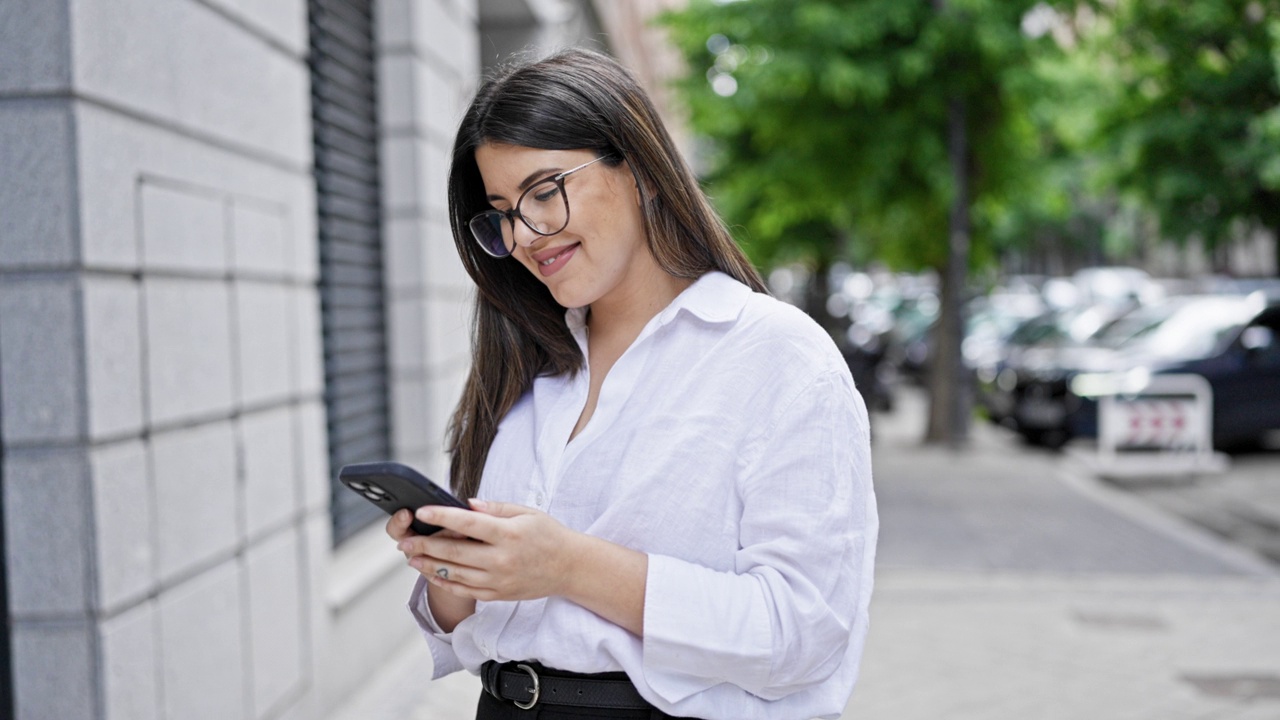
(484, 648)
(540, 499)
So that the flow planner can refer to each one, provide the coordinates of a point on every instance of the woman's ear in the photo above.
(638, 185)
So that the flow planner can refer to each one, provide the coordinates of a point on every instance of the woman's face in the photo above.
(602, 253)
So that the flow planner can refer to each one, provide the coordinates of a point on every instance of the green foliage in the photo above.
(1191, 124)
(833, 140)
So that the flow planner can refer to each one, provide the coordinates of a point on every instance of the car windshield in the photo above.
(1044, 328)
(1134, 324)
(1193, 330)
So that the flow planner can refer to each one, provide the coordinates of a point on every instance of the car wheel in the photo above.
(1053, 438)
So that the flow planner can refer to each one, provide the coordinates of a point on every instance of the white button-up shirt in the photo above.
(730, 445)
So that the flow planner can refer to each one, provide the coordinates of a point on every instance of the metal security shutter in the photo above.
(345, 121)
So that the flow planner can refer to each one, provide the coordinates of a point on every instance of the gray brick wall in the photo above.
(164, 473)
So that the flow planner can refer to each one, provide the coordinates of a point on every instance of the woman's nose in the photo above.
(523, 235)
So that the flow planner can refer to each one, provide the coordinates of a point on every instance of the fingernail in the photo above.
(478, 504)
(425, 515)
(403, 546)
(416, 563)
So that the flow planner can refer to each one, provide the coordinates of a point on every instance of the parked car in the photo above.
(1232, 341)
(1022, 389)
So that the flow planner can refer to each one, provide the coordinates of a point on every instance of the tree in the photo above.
(882, 128)
(1192, 123)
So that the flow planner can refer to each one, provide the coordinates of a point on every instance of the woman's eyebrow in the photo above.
(535, 175)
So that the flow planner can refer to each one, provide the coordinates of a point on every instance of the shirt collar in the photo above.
(715, 298)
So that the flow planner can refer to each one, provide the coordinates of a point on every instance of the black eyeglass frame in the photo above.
(514, 212)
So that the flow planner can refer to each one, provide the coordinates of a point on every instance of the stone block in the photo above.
(35, 47)
(394, 23)
(53, 671)
(124, 523)
(113, 355)
(46, 525)
(284, 22)
(317, 611)
(130, 647)
(433, 169)
(448, 330)
(411, 427)
(41, 361)
(302, 224)
(202, 628)
(436, 34)
(37, 188)
(403, 240)
(439, 104)
(115, 150)
(270, 469)
(196, 506)
(359, 635)
(396, 90)
(402, 182)
(407, 333)
(263, 330)
(183, 228)
(444, 267)
(308, 375)
(313, 455)
(188, 348)
(468, 63)
(194, 68)
(260, 240)
(468, 10)
(277, 623)
(444, 389)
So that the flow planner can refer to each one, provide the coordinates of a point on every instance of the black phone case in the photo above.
(393, 486)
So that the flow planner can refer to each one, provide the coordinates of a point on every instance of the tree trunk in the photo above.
(816, 293)
(949, 386)
(1275, 252)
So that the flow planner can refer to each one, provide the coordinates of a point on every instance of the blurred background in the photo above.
(226, 270)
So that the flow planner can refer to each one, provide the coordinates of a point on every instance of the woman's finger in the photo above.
(398, 525)
(467, 523)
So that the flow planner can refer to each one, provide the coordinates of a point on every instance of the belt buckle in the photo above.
(536, 689)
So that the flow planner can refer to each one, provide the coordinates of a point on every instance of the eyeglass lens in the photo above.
(543, 208)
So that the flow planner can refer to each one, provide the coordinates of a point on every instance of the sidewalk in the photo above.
(1012, 587)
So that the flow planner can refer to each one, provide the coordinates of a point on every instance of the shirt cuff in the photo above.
(703, 628)
(443, 659)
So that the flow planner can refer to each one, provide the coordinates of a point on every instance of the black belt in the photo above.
(528, 684)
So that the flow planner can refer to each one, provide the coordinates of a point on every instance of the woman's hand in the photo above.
(501, 551)
(448, 610)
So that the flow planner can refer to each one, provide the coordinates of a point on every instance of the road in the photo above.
(1012, 585)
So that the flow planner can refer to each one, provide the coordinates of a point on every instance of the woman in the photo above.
(674, 511)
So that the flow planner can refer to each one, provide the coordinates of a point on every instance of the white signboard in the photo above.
(1161, 427)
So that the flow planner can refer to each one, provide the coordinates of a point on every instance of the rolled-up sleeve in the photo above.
(444, 660)
(783, 619)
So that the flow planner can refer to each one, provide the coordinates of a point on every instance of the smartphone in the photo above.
(393, 486)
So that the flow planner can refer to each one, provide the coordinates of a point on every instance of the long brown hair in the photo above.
(573, 100)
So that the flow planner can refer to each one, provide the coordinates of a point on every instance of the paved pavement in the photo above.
(1010, 585)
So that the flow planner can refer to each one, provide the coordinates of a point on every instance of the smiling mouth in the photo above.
(558, 255)
(550, 265)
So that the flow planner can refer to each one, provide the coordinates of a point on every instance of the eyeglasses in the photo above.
(543, 208)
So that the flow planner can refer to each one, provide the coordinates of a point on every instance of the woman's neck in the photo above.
(624, 315)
